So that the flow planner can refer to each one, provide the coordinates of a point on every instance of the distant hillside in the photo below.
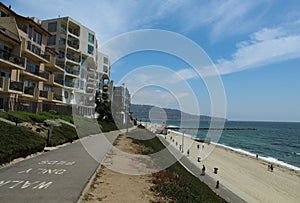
(142, 112)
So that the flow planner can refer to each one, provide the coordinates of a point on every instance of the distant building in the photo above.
(121, 104)
(50, 65)
(105, 86)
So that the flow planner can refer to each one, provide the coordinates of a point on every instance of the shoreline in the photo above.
(270, 160)
(241, 173)
(244, 175)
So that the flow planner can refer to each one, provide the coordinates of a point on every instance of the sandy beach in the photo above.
(246, 176)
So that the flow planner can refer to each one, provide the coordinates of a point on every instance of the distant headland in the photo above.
(142, 112)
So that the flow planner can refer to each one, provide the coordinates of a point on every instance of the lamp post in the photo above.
(127, 120)
(182, 150)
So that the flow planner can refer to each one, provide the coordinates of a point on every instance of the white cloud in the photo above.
(266, 46)
(187, 73)
(224, 18)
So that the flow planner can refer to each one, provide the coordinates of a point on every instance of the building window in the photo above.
(105, 60)
(52, 27)
(63, 28)
(29, 31)
(66, 94)
(61, 54)
(90, 49)
(51, 40)
(47, 88)
(62, 41)
(37, 37)
(105, 69)
(81, 84)
(91, 38)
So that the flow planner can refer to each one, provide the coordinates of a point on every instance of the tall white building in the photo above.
(77, 50)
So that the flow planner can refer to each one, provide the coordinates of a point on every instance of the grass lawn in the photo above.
(174, 184)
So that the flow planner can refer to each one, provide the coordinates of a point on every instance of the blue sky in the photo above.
(255, 46)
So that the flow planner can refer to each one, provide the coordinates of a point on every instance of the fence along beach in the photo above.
(241, 173)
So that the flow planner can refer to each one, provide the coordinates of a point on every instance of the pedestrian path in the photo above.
(209, 178)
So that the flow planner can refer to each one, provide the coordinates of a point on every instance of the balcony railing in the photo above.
(73, 58)
(44, 75)
(44, 94)
(59, 81)
(73, 44)
(1, 82)
(69, 84)
(72, 70)
(29, 90)
(57, 97)
(62, 65)
(16, 86)
(74, 31)
(12, 58)
(37, 50)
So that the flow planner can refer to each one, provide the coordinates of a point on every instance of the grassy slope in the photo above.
(18, 142)
(176, 184)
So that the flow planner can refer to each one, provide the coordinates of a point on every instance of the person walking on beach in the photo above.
(271, 167)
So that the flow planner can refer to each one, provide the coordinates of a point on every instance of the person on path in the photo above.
(217, 185)
(188, 152)
(203, 170)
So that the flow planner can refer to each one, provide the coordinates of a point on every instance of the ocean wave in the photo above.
(296, 153)
(267, 159)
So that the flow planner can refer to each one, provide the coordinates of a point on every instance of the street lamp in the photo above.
(182, 150)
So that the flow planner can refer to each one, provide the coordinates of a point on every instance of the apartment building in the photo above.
(27, 65)
(121, 104)
(50, 65)
(76, 46)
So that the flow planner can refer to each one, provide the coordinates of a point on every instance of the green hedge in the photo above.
(62, 134)
(18, 142)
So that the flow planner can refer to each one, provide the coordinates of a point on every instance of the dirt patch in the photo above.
(111, 186)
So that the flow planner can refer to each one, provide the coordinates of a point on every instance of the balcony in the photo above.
(74, 29)
(73, 58)
(73, 42)
(35, 51)
(31, 91)
(53, 65)
(12, 59)
(44, 75)
(57, 97)
(69, 84)
(59, 81)
(72, 70)
(16, 86)
(46, 94)
(1, 82)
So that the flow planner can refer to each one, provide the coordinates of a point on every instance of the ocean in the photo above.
(276, 142)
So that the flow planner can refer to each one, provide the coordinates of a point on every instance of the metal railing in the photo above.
(16, 86)
(12, 58)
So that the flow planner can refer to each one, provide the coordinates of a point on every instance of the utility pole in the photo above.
(182, 150)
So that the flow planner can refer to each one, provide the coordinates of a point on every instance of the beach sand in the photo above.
(244, 175)
(111, 186)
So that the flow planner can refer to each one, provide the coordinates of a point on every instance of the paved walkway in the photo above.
(59, 175)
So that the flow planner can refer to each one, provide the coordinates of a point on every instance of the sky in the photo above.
(253, 47)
